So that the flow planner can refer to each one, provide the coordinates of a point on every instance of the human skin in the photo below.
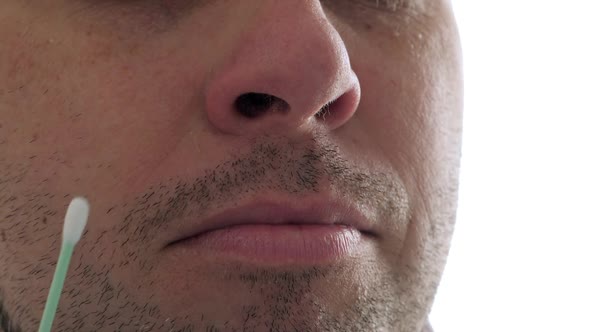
(131, 104)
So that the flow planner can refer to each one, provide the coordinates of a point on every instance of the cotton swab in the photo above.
(74, 224)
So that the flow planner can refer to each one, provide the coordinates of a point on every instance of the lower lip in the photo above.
(279, 244)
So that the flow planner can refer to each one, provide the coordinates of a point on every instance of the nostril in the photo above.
(324, 111)
(252, 105)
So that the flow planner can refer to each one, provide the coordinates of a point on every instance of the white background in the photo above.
(520, 258)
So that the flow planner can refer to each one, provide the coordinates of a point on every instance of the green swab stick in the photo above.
(75, 222)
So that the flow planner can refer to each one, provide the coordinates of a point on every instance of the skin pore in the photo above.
(136, 106)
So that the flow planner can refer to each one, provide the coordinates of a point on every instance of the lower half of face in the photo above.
(192, 228)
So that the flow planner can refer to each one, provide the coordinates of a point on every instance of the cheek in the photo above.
(411, 105)
(392, 107)
(412, 95)
(135, 108)
(106, 107)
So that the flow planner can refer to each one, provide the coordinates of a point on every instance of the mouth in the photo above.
(276, 233)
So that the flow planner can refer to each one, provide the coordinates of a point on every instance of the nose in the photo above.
(288, 70)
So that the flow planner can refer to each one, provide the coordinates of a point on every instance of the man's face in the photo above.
(179, 119)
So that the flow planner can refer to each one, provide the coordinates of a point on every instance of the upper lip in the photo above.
(324, 212)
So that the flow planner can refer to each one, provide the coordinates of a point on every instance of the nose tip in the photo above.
(279, 79)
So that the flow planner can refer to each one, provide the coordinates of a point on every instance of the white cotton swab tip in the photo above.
(74, 224)
(75, 221)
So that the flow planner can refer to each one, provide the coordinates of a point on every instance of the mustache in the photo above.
(276, 164)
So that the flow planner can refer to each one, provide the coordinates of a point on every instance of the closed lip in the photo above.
(277, 213)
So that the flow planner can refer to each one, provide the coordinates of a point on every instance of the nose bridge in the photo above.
(296, 40)
(287, 49)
